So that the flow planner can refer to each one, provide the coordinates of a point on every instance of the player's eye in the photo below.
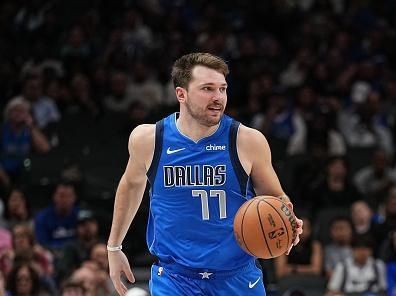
(223, 89)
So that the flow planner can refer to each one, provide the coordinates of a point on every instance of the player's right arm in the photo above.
(255, 155)
(128, 198)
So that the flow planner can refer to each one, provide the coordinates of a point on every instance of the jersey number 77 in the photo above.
(203, 194)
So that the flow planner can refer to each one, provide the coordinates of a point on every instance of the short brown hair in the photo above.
(182, 68)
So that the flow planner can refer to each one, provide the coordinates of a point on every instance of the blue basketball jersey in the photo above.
(196, 190)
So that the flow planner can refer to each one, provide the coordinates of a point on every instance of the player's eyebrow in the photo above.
(212, 83)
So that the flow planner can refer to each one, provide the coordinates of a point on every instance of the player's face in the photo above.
(206, 96)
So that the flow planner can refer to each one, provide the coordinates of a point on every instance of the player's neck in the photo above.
(193, 129)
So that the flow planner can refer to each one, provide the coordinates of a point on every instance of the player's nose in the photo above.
(219, 95)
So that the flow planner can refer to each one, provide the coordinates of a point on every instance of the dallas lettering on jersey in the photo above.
(196, 175)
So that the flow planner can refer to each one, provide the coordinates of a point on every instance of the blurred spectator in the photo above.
(82, 96)
(360, 273)
(57, 90)
(30, 17)
(100, 264)
(136, 36)
(27, 250)
(87, 277)
(17, 209)
(320, 78)
(323, 138)
(307, 103)
(304, 259)
(259, 90)
(48, 68)
(6, 252)
(375, 180)
(137, 114)
(297, 71)
(387, 253)
(44, 110)
(360, 124)
(100, 83)
(103, 284)
(19, 136)
(391, 276)
(70, 288)
(55, 225)
(26, 247)
(119, 99)
(381, 230)
(273, 51)
(23, 280)
(339, 249)
(390, 103)
(115, 54)
(76, 53)
(334, 189)
(5, 239)
(2, 285)
(99, 256)
(362, 217)
(75, 252)
(169, 96)
(281, 123)
(144, 86)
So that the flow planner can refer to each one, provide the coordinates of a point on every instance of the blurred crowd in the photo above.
(317, 77)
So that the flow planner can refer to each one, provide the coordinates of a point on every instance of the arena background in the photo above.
(317, 77)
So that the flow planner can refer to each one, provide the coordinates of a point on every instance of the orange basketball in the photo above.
(265, 227)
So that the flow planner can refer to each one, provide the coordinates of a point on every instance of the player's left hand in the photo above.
(299, 229)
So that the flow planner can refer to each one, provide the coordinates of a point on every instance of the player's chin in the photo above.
(213, 121)
(213, 116)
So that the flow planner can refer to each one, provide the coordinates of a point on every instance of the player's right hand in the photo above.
(118, 264)
(299, 229)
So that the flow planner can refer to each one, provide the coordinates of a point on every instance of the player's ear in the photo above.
(181, 94)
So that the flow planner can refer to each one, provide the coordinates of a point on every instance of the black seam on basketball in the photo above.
(262, 228)
(288, 238)
(243, 217)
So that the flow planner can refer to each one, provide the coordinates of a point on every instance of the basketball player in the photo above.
(202, 166)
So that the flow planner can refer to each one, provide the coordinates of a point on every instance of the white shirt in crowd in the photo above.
(358, 278)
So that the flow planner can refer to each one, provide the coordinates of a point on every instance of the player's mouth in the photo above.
(216, 108)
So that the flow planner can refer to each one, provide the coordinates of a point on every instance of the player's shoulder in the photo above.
(252, 144)
(250, 135)
(142, 135)
(143, 131)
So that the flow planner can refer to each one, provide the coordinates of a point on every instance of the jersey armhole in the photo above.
(159, 132)
(243, 178)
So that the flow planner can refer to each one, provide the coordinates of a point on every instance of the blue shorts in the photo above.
(175, 280)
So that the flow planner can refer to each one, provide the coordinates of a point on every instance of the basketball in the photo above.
(265, 227)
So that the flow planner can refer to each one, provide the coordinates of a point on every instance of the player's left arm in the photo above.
(255, 155)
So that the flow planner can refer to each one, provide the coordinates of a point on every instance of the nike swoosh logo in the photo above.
(169, 151)
(255, 283)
